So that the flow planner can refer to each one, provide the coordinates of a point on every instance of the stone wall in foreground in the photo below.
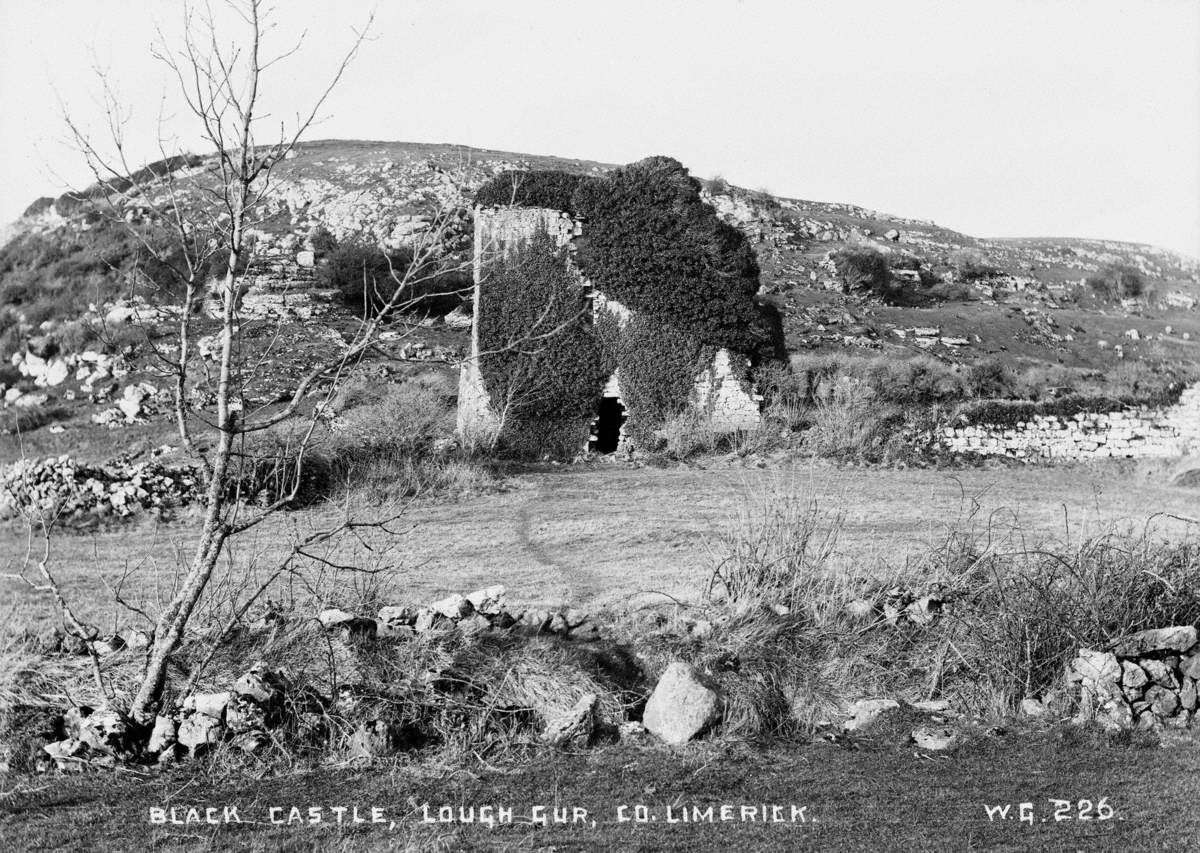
(1136, 432)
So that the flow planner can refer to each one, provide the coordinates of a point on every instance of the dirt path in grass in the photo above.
(616, 536)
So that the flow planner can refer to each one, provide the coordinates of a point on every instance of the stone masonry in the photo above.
(718, 393)
(1136, 432)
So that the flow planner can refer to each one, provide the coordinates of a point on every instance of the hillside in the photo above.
(64, 267)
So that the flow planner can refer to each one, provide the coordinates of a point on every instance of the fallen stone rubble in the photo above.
(65, 488)
(1148, 680)
(265, 702)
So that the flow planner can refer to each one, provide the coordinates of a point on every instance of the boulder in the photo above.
(474, 624)
(352, 628)
(394, 616)
(935, 739)
(135, 638)
(162, 735)
(489, 601)
(334, 618)
(199, 731)
(1190, 666)
(67, 754)
(106, 731)
(259, 684)
(306, 259)
(1161, 673)
(891, 234)
(427, 619)
(538, 620)
(1188, 697)
(1179, 638)
(453, 606)
(244, 715)
(1163, 701)
(867, 712)
(682, 706)
(1031, 707)
(575, 727)
(1133, 677)
(1095, 667)
(209, 704)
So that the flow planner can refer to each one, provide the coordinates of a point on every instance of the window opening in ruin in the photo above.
(606, 430)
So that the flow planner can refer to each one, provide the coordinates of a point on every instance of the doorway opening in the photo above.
(606, 429)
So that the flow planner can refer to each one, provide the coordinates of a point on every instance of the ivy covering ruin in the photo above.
(650, 243)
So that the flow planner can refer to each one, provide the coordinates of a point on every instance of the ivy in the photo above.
(543, 188)
(652, 244)
(543, 363)
(658, 364)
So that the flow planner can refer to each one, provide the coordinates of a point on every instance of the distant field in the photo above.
(612, 536)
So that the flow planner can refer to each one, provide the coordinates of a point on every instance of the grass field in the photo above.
(611, 537)
(882, 797)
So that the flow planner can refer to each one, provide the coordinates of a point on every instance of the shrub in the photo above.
(864, 270)
(1114, 282)
(850, 424)
(25, 420)
(267, 467)
(971, 265)
(1027, 610)
(989, 377)
(322, 241)
(369, 277)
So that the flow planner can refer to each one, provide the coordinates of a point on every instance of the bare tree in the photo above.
(221, 87)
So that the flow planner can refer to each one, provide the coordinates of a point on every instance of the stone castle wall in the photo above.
(718, 393)
(1136, 432)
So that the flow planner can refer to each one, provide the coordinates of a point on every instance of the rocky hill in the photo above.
(956, 297)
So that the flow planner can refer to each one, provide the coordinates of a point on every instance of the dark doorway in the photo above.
(606, 432)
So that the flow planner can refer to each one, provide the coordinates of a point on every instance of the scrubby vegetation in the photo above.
(864, 271)
(883, 409)
(1115, 282)
(984, 618)
(43, 277)
(971, 265)
(370, 278)
(379, 443)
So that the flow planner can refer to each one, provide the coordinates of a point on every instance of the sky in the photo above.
(998, 118)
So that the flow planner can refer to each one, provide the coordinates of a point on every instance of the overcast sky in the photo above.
(994, 117)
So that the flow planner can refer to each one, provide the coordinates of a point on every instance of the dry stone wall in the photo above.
(1136, 432)
(1148, 680)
